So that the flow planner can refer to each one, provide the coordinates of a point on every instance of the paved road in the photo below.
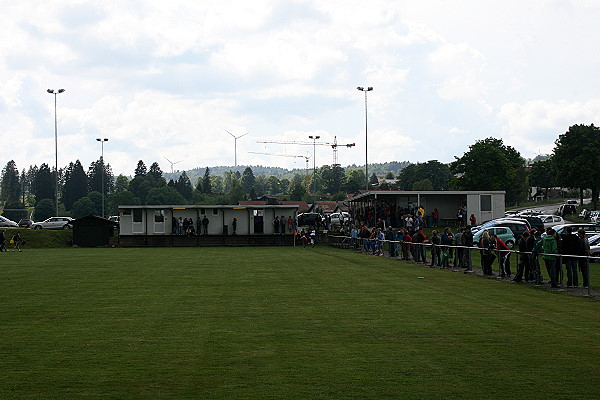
(550, 208)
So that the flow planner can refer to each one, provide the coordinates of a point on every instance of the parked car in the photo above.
(5, 222)
(595, 247)
(25, 223)
(338, 219)
(552, 220)
(517, 227)
(54, 223)
(501, 232)
(590, 229)
(528, 212)
(567, 209)
(572, 202)
(114, 218)
(535, 222)
(595, 217)
(309, 219)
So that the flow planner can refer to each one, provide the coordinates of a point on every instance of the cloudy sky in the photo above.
(166, 79)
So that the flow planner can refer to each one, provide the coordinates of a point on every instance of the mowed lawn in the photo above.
(282, 323)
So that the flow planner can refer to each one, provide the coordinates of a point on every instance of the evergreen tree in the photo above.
(248, 179)
(121, 184)
(43, 184)
(155, 171)
(184, 186)
(10, 190)
(95, 177)
(373, 181)
(76, 185)
(274, 185)
(140, 170)
(206, 183)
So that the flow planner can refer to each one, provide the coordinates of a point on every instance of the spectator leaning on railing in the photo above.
(549, 246)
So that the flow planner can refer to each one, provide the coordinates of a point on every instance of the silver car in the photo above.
(5, 222)
(552, 220)
(54, 223)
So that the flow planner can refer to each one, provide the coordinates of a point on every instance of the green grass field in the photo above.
(282, 323)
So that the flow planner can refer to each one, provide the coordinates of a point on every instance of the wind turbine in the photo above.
(235, 144)
(172, 163)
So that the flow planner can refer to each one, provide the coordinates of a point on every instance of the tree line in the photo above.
(488, 164)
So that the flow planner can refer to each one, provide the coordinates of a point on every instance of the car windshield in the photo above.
(594, 240)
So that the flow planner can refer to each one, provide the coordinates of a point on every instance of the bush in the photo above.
(44, 209)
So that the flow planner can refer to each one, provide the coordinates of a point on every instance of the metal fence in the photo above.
(456, 256)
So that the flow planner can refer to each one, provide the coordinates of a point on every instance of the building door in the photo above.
(159, 221)
(259, 221)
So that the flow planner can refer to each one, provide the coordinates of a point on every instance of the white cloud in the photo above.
(462, 68)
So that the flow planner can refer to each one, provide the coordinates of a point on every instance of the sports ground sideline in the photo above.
(273, 322)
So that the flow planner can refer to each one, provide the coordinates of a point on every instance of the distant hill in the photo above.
(379, 168)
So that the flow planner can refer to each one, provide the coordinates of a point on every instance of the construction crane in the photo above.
(333, 145)
(307, 179)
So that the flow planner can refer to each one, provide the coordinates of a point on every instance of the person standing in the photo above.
(473, 220)
(487, 253)
(290, 224)
(276, 225)
(2, 240)
(313, 237)
(435, 248)
(571, 246)
(419, 238)
(234, 226)
(466, 240)
(205, 222)
(549, 249)
(446, 240)
(282, 223)
(584, 263)
(524, 258)
(435, 215)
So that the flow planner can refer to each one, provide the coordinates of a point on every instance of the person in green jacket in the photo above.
(549, 245)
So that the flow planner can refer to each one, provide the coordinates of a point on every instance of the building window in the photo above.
(137, 215)
(159, 216)
(486, 202)
(127, 211)
(215, 211)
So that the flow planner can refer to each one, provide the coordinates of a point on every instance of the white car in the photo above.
(551, 220)
(5, 222)
(54, 223)
(338, 219)
(595, 247)
(595, 217)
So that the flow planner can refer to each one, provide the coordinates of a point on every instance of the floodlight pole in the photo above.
(102, 169)
(314, 138)
(368, 89)
(52, 91)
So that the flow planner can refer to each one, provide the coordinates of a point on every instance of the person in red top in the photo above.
(473, 220)
(503, 256)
